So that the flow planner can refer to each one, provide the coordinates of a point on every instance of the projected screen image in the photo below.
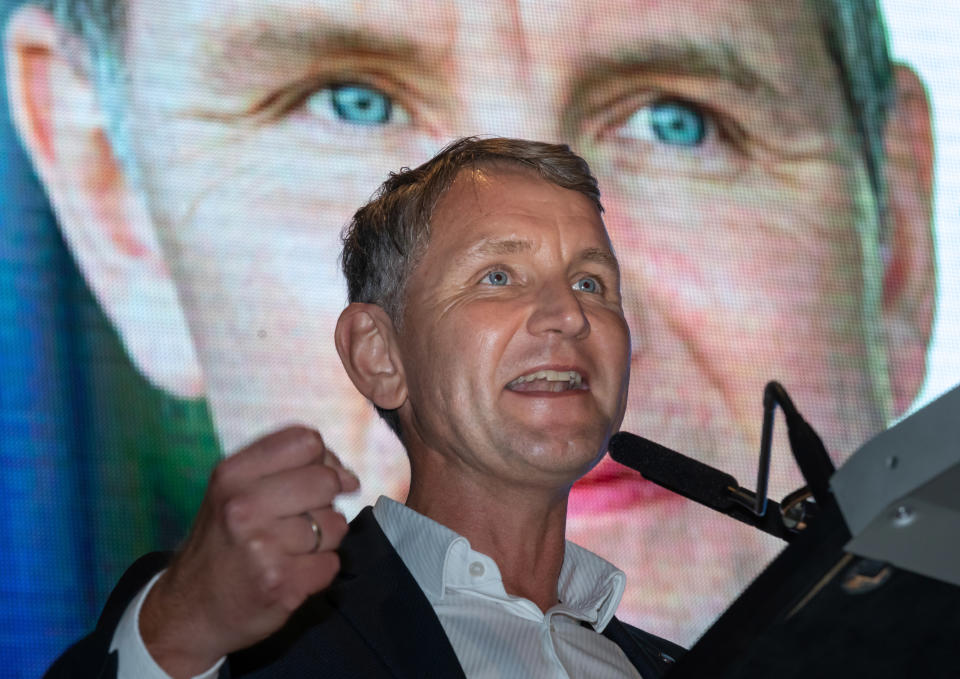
(176, 176)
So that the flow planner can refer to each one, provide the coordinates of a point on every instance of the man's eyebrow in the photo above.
(308, 53)
(512, 246)
(499, 246)
(600, 256)
(718, 60)
(324, 38)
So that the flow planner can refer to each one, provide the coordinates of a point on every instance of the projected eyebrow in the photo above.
(280, 62)
(342, 32)
(326, 38)
(716, 60)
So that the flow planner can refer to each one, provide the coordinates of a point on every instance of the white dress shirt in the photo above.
(493, 633)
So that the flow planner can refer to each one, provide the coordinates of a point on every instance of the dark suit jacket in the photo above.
(373, 621)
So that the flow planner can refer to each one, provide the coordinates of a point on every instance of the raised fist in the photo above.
(263, 541)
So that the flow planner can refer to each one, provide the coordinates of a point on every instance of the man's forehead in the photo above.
(424, 27)
(497, 210)
(747, 36)
(499, 186)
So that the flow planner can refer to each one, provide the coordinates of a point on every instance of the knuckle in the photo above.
(237, 513)
(264, 564)
(257, 552)
(269, 581)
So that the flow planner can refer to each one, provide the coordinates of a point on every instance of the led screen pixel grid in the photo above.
(100, 464)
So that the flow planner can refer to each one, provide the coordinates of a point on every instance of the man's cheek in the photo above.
(723, 295)
(739, 255)
(702, 269)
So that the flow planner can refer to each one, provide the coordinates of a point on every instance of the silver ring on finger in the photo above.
(316, 531)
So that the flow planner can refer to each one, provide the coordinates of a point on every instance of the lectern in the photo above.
(871, 587)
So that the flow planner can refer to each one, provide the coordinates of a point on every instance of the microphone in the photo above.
(683, 475)
(696, 481)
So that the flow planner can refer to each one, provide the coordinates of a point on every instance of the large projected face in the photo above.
(737, 198)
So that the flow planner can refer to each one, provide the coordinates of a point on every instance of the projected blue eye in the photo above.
(676, 123)
(670, 122)
(357, 104)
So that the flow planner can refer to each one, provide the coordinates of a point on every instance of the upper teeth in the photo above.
(571, 376)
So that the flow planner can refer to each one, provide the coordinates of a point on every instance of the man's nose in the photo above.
(558, 309)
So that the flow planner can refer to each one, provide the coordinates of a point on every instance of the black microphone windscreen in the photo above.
(679, 473)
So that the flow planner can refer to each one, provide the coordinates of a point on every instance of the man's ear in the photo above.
(104, 219)
(367, 344)
(909, 286)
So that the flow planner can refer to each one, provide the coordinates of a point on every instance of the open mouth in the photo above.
(550, 381)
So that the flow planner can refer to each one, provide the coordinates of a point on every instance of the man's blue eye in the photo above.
(678, 123)
(497, 278)
(669, 122)
(357, 105)
(587, 284)
(361, 105)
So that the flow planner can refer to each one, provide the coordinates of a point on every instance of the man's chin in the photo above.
(570, 450)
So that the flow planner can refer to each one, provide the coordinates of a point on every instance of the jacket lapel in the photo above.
(648, 660)
(380, 599)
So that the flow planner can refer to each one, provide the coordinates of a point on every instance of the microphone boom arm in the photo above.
(705, 485)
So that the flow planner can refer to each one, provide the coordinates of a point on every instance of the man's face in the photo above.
(736, 201)
(514, 344)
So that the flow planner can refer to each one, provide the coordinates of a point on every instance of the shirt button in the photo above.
(477, 569)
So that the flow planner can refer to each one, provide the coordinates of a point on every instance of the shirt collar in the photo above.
(589, 586)
(422, 543)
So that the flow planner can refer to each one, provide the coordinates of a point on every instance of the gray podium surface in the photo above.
(900, 493)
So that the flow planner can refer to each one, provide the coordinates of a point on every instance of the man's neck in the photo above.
(522, 531)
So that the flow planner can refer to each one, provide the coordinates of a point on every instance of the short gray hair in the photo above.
(387, 237)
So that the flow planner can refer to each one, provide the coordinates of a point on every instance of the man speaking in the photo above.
(767, 185)
(486, 325)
